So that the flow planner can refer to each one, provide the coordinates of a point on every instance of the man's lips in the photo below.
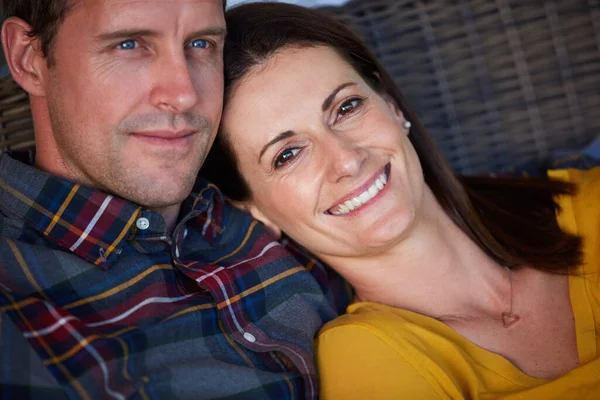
(165, 138)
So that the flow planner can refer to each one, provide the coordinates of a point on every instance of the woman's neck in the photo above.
(436, 270)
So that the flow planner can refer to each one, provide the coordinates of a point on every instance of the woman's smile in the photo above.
(363, 195)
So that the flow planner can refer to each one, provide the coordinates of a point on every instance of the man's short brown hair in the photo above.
(44, 16)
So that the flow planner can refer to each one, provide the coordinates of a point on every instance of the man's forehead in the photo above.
(120, 14)
(148, 3)
(124, 2)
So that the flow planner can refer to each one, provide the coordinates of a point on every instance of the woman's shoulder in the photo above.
(580, 214)
(379, 319)
(363, 354)
(588, 181)
(409, 335)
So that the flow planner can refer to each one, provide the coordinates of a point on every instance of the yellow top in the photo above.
(380, 352)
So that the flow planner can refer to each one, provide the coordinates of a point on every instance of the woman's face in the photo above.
(326, 157)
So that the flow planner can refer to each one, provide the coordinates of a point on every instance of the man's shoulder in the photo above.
(15, 231)
(21, 258)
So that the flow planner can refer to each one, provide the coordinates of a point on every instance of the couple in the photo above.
(117, 282)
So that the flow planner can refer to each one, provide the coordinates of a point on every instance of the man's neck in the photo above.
(170, 215)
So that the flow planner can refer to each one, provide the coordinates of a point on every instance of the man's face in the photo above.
(135, 95)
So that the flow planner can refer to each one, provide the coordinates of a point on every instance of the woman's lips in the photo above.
(363, 197)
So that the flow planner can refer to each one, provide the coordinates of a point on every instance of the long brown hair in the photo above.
(512, 220)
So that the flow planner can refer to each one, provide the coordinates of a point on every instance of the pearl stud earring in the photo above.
(407, 124)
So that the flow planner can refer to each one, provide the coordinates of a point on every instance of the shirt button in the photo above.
(249, 337)
(142, 223)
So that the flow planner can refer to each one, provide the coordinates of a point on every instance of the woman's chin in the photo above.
(375, 239)
(379, 243)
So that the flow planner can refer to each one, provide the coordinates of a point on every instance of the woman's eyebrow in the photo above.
(324, 107)
(331, 97)
(278, 138)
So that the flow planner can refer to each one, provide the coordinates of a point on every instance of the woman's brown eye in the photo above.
(349, 106)
(286, 156)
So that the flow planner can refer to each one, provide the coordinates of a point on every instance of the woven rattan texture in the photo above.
(16, 126)
(498, 83)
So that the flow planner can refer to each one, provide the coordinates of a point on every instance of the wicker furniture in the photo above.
(16, 125)
(498, 83)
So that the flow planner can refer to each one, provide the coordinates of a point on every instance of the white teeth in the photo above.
(349, 205)
(363, 198)
(373, 190)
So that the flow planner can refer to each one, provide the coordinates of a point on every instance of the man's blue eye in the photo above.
(128, 45)
(200, 44)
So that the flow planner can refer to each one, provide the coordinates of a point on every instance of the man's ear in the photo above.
(24, 56)
(249, 207)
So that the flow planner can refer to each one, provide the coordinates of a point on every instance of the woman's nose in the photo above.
(345, 158)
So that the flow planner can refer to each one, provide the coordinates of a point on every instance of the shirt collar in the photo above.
(87, 222)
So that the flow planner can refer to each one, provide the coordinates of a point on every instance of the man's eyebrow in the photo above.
(216, 31)
(331, 97)
(126, 33)
(129, 33)
(278, 138)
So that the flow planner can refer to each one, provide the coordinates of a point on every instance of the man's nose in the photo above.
(174, 89)
(346, 158)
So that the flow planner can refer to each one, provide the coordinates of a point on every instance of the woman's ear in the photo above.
(24, 56)
(257, 214)
(393, 106)
(250, 208)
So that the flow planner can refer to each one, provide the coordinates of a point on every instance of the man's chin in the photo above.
(160, 200)
(161, 193)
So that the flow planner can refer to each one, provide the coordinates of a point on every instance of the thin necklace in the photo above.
(509, 318)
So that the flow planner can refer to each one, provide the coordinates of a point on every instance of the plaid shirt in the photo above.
(98, 301)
